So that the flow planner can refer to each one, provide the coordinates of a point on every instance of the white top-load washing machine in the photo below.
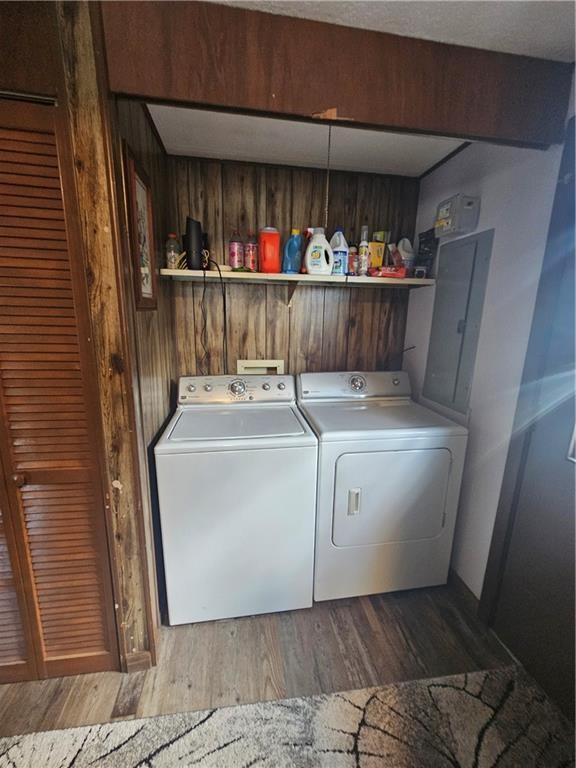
(389, 475)
(236, 470)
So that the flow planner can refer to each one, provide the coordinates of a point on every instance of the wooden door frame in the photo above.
(126, 280)
(79, 268)
(534, 364)
(90, 128)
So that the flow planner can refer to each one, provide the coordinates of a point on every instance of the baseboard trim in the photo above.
(138, 662)
(466, 598)
(470, 607)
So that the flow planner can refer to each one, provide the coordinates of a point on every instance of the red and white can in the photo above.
(235, 251)
(251, 254)
(353, 260)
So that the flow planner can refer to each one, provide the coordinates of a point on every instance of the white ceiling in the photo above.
(200, 133)
(527, 27)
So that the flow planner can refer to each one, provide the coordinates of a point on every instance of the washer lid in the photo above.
(236, 423)
(367, 420)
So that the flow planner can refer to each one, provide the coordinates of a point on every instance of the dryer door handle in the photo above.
(354, 496)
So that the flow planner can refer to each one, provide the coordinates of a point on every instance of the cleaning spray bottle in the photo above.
(319, 257)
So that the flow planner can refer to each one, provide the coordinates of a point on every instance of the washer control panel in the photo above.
(352, 385)
(245, 388)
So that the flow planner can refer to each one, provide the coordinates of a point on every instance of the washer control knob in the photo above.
(358, 383)
(191, 388)
(208, 387)
(237, 387)
(282, 385)
(396, 381)
(266, 386)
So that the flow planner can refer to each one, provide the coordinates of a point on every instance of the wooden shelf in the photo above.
(197, 275)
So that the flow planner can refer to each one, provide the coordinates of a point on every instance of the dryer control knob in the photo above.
(358, 383)
(237, 387)
(191, 388)
(281, 385)
(208, 387)
(266, 386)
(396, 381)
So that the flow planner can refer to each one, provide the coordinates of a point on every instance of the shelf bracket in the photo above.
(290, 293)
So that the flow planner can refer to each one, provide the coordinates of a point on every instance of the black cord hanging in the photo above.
(327, 186)
(225, 314)
(205, 359)
(204, 329)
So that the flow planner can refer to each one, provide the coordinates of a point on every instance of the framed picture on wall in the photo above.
(140, 232)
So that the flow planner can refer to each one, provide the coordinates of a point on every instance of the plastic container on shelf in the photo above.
(292, 258)
(173, 251)
(407, 254)
(269, 250)
(340, 250)
(319, 257)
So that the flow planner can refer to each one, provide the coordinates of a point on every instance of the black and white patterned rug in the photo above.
(494, 719)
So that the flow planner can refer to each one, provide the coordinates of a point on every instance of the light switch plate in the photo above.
(261, 367)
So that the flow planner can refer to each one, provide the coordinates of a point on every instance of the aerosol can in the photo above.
(363, 253)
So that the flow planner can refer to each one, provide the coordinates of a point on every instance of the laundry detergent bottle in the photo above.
(319, 256)
(292, 257)
(340, 250)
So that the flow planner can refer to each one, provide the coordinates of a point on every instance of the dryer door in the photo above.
(390, 496)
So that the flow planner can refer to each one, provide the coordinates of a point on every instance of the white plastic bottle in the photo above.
(340, 250)
(363, 253)
(173, 251)
(319, 257)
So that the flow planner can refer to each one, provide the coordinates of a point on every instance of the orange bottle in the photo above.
(269, 250)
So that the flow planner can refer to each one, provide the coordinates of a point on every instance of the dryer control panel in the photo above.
(353, 385)
(244, 388)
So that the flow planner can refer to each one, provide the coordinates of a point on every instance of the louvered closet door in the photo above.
(49, 433)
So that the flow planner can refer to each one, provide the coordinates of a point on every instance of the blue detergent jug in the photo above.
(292, 255)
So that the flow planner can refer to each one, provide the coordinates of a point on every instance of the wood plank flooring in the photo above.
(338, 645)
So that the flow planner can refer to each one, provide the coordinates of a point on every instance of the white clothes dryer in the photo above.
(389, 474)
(236, 470)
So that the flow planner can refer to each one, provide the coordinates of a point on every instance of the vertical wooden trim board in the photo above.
(93, 170)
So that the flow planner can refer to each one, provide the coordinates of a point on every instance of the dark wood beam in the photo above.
(206, 54)
(29, 52)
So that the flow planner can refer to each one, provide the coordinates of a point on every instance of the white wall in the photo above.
(517, 190)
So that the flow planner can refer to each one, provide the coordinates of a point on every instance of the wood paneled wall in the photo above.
(320, 328)
(152, 330)
(154, 342)
(247, 60)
